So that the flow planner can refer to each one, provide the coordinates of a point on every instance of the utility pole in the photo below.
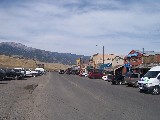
(143, 56)
(103, 56)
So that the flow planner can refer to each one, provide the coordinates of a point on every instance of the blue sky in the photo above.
(77, 26)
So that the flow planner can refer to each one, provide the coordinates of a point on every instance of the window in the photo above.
(134, 75)
(152, 74)
(158, 77)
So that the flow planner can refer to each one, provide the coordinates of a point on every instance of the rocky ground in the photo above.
(22, 99)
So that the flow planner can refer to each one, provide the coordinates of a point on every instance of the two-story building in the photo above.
(97, 59)
(112, 62)
(151, 57)
(142, 61)
(134, 58)
(118, 60)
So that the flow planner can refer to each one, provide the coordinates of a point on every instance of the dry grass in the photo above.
(11, 62)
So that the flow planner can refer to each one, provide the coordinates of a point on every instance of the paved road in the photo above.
(70, 97)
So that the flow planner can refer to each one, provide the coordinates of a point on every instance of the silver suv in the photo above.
(131, 79)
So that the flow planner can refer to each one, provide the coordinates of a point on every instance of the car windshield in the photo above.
(17, 70)
(152, 74)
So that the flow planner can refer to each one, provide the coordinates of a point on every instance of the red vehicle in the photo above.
(95, 75)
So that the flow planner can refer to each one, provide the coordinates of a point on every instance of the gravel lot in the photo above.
(18, 97)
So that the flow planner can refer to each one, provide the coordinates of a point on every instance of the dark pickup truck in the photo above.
(13, 74)
(118, 80)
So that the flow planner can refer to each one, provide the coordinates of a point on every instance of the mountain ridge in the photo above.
(18, 49)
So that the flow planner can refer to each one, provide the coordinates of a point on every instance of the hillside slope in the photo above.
(17, 49)
(11, 62)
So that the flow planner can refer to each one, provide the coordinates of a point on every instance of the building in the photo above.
(118, 61)
(110, 60)
(83, 64)
(97, 59)
(134, 58)
(141, 60)
(151, 57)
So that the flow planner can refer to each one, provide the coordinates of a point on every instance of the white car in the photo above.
(42, 70)
(85, 74)
(105, 78)
(31, 73)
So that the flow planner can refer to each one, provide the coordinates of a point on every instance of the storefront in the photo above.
(132, 60)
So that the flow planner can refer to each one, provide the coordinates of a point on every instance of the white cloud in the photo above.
(77, 26)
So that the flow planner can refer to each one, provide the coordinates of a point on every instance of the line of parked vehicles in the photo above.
(148, 83)
(20, 73)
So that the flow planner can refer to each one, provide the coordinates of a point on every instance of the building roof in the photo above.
(147, 65)
(106, 56)
(147, 53)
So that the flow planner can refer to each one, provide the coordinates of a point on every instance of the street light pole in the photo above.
(103, 56)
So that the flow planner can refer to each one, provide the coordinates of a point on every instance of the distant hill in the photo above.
(14, 62)
(22, 51)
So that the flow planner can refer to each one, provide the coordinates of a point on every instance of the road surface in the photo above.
(70, 97)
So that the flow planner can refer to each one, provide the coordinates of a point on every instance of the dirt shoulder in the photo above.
(19, 98)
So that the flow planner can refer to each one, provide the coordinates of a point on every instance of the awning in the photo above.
(114, 68)
(132, 55)
(118, 67)
(127, 65)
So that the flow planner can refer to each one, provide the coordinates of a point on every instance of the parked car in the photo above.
(131, 79)
(108, 77)
(95, 75)
(61, 71)
(74, 72)
(105, 77)
(118, 80)
(150, 82)
(68, 71)
(31, 73)
(84, 74)
(23, 71)
(2, 74)
(41, 71)
(13, 74)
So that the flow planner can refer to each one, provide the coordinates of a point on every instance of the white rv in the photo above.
(150, 82)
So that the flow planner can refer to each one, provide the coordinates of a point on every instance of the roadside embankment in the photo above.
(19, 98)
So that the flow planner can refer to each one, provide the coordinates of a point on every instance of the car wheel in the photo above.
(16, 77)
(34, 75)
(155, 90)
(136, 84)
(141, 91)
(117, 82)
(1, 78)
(120, 82)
